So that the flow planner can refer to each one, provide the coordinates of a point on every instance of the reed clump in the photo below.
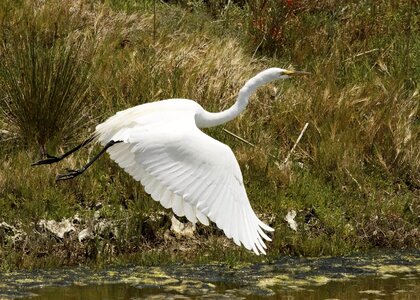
(44, 81)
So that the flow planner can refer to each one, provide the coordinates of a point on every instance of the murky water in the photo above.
(385, 276)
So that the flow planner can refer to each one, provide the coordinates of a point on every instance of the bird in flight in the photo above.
(161, 145)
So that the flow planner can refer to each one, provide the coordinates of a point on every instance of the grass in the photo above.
(44, 83)
(353, 178)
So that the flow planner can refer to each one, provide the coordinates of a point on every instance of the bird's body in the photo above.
(150, 114)
(161, 145)
(183, 168)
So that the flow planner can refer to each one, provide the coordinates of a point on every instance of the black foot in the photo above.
(50, 160)
(70, 175)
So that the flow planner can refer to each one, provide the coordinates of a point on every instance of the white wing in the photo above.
(190, 172)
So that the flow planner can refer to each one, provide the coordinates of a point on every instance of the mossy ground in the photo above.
(353, 179)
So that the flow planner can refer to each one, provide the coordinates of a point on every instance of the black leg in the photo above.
(53, 159)
(73, 173)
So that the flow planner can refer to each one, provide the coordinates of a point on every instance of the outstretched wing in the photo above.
(190, 172)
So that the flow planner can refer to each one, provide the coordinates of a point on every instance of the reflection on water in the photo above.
(368, 288)
(395, 276)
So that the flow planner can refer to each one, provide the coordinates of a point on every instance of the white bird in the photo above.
(161, 145)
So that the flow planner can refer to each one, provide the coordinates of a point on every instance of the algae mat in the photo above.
(376, 276)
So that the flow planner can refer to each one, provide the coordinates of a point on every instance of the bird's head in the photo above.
(275, 74)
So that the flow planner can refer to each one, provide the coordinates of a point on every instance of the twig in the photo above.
(255, 51)
(245, 141)
(360, 54)
(238, 137)
(272, 156)
(354, 179)
(297, 141)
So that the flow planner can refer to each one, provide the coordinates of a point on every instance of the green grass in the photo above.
(353, 179)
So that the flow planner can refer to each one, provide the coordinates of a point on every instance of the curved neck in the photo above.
(208, 119)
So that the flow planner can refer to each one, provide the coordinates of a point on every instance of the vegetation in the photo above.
(353, 178)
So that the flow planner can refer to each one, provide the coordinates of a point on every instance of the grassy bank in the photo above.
(353, 178)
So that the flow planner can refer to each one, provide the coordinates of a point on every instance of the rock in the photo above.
(157, 216)
(182, 229)
(85, 234)
(97, 215)
(104, 228)
(59, 229)
(12, 232)
(290, 219)
(5, 132)
(77, 219)
(7, 228)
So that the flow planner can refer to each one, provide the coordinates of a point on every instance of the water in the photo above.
(384, 276)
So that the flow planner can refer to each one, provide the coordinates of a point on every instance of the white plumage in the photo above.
(160, 145)
(183, 168)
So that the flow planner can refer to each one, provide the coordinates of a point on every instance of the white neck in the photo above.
(208, 119)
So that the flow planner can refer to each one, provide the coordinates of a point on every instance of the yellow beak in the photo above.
(295, 73)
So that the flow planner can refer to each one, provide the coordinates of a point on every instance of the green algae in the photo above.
(273, 281)
(372, 275)
(320, 279)
(372, 292)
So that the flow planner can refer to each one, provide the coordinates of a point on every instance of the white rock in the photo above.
(59, 229)
(85, 234)
(97, 215)
(182, 229)
(14, 233)
(290, 219)
(6, 227)
(77, 219)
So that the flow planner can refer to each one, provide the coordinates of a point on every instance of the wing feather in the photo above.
(202, 217)
(235, 231)
(242, 229)
(146, 181)
(215, 200)
(166, 199)
(158, 192)
(177, 205)
(151, 186)
(189, 212)
(190, 172)
(221, 208)
(198, 186)
(225, 207)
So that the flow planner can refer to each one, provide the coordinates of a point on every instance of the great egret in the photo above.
(160, 145)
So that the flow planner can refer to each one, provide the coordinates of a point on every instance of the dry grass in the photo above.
(357, 159)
